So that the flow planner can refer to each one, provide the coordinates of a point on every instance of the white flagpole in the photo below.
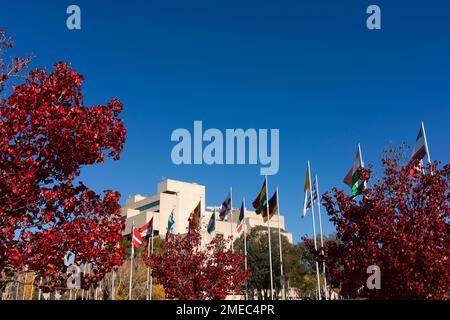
(362, 162)
(231, 218)
(151, 276)
(113, 289)
(245, 250)
(200, 222)
(148, 269)
(283, 291)
(231, 223)
(24, 285)
(321, 239)
(40, 290)
(426, 143)
(131, 262)
(314, 230)
(82, 290)
(270, 241)
(17, 287)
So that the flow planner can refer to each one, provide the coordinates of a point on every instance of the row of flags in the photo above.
(267, 208)
(261, 206)
(137, 238)
(356, 183)
(353, 178)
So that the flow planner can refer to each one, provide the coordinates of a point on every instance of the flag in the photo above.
(212, 223)
(195, 214)
(306, 191)
(420, 148)
(225, 208)
(273, 207)
(136, 238)
(260, 202)
(147, 229)
(171, 223)
(353, 177)
(240, 222)
(313, 199)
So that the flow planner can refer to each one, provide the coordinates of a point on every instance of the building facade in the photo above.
(181, 198)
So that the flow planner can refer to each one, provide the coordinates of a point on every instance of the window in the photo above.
(148, 206)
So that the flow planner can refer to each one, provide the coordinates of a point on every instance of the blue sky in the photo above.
(310, 68)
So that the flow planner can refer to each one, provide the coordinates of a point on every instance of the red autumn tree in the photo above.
(46, 135)
(189, 272)
(400, 224)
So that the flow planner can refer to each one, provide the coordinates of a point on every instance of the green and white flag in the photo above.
(353, 177)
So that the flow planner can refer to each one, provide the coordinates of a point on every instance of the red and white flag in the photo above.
(136, 238)
(147, 229)
(421, 146)
(240, 223)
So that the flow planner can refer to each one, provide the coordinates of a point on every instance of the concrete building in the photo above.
(181, 198)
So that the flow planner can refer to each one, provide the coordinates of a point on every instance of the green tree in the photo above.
(297, 265)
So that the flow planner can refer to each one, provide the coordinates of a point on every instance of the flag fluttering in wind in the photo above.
(195, 214)
(306, 190)
(212, 223)
(353, 177)
(312, 199)
(240, 222)
(273, 207)
(421, 146)
(260, 202)
(147, 229)
(225, 208)
(170, 225)
(136, 238)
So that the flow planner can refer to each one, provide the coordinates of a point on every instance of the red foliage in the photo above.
(401, 224)
(46, 135)
(189, 272)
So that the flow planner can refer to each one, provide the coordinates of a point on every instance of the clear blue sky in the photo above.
(309, 68)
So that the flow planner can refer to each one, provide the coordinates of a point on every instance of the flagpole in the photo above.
(148, 269)
(321, 239)
(283, 291)
(231, 223)
(361, 162)
(231, 218)
(40, 289)
(314, 230)
(245, 249)
(25, 285)
(82, 290)
(17, 287)
(270, 241)
(426, 143)
(131, 262)
(151, 275)
(200, 224)
(113, 279)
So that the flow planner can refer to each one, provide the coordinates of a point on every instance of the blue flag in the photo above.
(212, 223)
